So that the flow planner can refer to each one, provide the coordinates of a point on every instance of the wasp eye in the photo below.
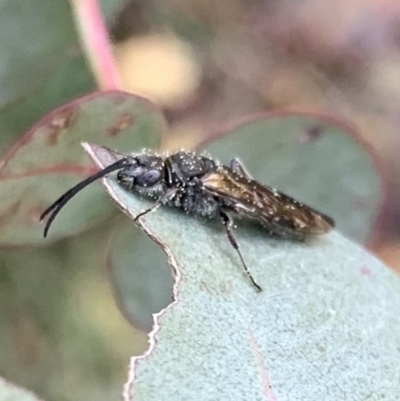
(149, 178)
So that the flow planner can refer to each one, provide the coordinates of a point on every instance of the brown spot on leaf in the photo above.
(33, 215)
(26, 335)
(123, 122)
(311, 134)
(9, 214)
(60, 122)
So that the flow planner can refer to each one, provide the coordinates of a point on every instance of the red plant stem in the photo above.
(95, 41)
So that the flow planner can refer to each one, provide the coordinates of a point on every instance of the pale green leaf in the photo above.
(324, 328)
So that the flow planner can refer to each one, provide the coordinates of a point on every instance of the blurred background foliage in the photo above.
(205, 63)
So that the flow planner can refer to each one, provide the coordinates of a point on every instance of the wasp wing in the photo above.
(281, 214)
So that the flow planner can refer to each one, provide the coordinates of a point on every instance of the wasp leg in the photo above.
(238, 167)
(228, 228)
(169, 195)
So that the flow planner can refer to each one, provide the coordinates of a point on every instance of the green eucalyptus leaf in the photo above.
(325, 326)
(29, 52)
(71, 80)
(314, 159)
(140, 275)
(42, 65)
(49, 160)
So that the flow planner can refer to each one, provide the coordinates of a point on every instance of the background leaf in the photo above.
(48, 160)
(314, 159)
(325, 326)
(42, 67)
(59, 322)
(139, 273)
(43, 63)
(40, 55)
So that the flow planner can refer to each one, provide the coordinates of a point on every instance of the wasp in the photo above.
(203, 187)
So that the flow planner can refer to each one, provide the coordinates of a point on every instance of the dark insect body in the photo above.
(203, 187)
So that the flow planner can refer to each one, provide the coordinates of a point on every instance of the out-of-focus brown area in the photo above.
(209, 62)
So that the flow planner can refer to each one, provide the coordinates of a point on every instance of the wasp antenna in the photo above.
(55, 208)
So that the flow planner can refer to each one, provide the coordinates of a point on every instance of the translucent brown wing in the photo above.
(281, 214)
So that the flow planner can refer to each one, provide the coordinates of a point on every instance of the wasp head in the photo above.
(143, 173)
